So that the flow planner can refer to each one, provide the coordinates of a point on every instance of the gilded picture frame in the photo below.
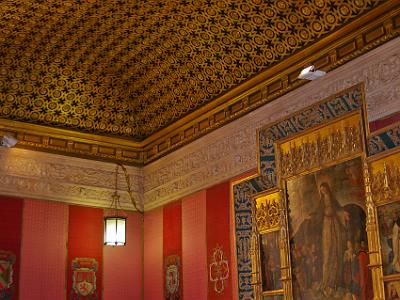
(336, 144)
(327, 233)
(384, 194)
(267, 279)
(323, 135)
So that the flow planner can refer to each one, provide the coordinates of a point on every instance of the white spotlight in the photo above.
(8, 141)
(310, 73)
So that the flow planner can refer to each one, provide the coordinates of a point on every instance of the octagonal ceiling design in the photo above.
(128, 69)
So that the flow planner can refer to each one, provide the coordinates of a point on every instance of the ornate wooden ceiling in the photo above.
(133, 80)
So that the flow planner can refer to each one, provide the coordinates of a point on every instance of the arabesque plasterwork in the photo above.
(30, 174)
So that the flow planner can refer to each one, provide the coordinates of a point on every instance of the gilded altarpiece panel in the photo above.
(267, 277)
(313, 170)
(384, 172)
(327, 228)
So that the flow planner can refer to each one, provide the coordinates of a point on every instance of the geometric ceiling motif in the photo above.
(131, 68)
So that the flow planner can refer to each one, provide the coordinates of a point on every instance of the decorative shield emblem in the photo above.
(172, 277)
(84, 279)
(7, 260)
(219, 270)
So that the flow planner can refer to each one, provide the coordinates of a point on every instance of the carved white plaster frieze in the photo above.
(37, 175)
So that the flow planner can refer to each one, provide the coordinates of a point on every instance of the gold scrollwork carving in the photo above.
(266, 218)
(332, 143)
(375, 261)
(385, 182)
(267, 212)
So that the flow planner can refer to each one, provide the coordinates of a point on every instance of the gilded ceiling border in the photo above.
(64, 142)
(358, 37)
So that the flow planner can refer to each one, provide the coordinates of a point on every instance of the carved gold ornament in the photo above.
(332, 143)
(267, 212)
(385, 179)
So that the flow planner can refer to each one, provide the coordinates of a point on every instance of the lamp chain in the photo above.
(115, 197)
(128, 184)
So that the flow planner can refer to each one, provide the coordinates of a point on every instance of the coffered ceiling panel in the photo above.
(123, 68)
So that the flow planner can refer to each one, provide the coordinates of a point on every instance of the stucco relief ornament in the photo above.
(172, 277)
(219, 270)
(7, 260)
(84, 279)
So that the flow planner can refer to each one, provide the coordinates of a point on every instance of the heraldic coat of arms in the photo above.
(172, 265)
(84, 279)
(7, 260)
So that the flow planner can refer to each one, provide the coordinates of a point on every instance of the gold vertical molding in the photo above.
(375, 261)
(286, 270)
(270, 204)
(284, 248)
(255, 255)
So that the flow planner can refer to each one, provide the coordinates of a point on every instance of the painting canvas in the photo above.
(392, 290)
(270, 261)
(389, 233)
(328, 242)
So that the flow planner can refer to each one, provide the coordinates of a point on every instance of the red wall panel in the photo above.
(172, 245)
(153, 255)
(10, 234)
(218, 242)
(122, 266)
(194, 249)
(43, 252)
(85, 240)
(381, 123)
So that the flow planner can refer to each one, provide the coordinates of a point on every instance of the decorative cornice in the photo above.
(30, 174)
(65, 142)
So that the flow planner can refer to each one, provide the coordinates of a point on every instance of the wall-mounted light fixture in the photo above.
(8, 141)
(311, 73)
(116, 219)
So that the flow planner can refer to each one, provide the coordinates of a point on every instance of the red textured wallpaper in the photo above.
(194, 248)
(85, 240)
(122, 270)
(218, 242)
(43, 252)
(153, 255)
(172, 251)
(381, 123)
(10, 242)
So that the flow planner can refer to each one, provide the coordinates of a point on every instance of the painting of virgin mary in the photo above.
(328, 241)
